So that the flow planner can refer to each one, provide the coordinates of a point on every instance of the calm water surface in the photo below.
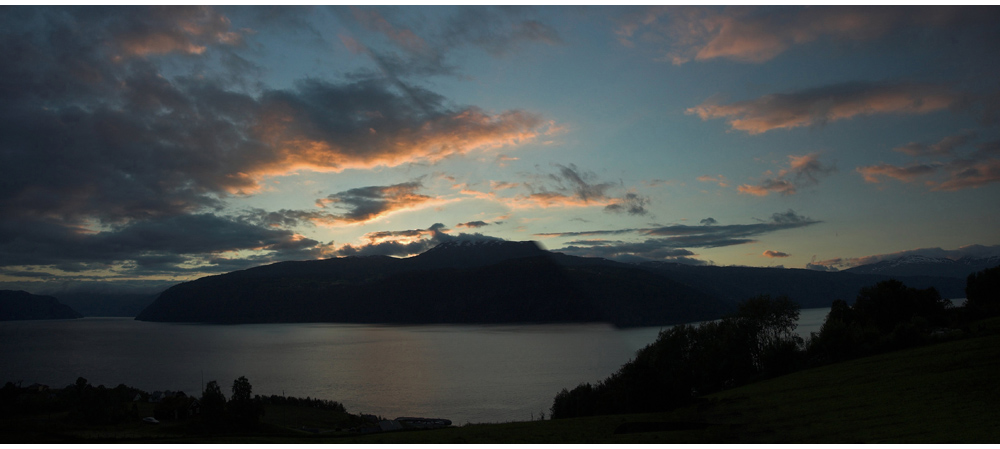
(462, 373)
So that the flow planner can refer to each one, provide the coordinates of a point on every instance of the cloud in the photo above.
(970, 174)
(821, 105)
(713, 236)
(472, 224)
(160, 30)
(708, 221)
(774, 254)
(87, 137)
(407, 242)
(975, 251)
(944, 147)
(908, 173)
(573, 187)
(368, 203)
(820, 267)
(497, 31)
(632, 203)
(650, 249)
(721, 180)
(759, 34)
(195, 243)
(956, 172)
(805, 170)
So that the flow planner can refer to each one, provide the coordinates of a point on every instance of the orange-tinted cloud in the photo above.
(302, 141)
(955, 171)
(908, 173)
(804, 170)
(970, 175)
(774, 254)
(721, 180)
(767, 187)
(369, 203)
(554, 199)
(160, 30)
(825, 104)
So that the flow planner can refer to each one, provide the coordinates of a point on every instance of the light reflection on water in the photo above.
(463, 373)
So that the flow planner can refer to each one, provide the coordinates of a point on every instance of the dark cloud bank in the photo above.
(670, 242)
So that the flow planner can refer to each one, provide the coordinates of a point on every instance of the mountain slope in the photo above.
(482, 282)
(808, 288)
(495, 281)
(21, 305)
(928, 266)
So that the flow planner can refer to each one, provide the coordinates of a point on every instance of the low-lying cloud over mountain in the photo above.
(972, 251)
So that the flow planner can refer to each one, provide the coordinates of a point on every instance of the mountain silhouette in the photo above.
(496, 281)
(21, 305)
(454, 282)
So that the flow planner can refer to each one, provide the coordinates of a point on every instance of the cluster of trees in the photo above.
(758, 341)
(90, 405)
(307, 402)
(242, 410)
(886, 316)
(686, 361)
(85, 403)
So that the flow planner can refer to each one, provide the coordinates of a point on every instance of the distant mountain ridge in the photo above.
(21, 305)
(496, 281)
(917, 265)
(481, 282)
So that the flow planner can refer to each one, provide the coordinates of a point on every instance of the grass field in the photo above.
(943, 393)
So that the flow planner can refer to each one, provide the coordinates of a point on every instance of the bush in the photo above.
(885, 316)
(686, 361)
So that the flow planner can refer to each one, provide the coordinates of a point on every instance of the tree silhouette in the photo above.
(686, 361)
(887, 315)
(213, 403)
(242, 390)
(244, 410)
(982, 293)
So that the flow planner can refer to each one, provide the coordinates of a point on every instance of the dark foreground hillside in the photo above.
(943, 393)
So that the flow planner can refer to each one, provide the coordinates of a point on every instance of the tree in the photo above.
(982, 293)
(887, 315)
(242, 390)
(245, 411)
(888, 304)
(687, 361)
(213, 403)
(768, 325)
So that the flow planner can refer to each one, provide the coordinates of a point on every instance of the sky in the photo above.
(142, 146)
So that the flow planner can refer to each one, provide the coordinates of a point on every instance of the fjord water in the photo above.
(462, 373)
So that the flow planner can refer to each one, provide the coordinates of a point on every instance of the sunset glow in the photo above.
(150, 145)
